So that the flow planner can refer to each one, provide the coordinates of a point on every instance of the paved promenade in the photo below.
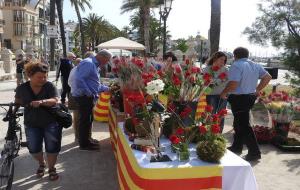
(78, 170)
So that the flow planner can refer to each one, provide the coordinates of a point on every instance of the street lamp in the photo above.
(164, 10)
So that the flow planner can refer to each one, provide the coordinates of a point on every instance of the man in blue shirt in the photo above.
(86, 88)
(243, 78)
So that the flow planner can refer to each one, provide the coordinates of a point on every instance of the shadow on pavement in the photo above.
(94, 170)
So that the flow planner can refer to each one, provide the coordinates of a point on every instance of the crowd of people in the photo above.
(81, 86)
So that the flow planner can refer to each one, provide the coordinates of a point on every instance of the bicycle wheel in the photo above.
(6, 173)
(17, 142)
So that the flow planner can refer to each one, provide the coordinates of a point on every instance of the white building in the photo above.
(70, 27)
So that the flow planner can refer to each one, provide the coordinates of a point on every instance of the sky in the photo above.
(188, 17)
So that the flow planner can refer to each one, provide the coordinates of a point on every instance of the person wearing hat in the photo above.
(64, 70)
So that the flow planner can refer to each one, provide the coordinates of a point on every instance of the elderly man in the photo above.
(64, 69)
(85, 88)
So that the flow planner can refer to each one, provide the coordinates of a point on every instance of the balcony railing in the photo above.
(10, 3)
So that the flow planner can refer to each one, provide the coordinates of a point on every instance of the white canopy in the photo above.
(121, 43)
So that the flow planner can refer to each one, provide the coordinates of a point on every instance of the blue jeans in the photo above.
(217, 103)
(51, 135)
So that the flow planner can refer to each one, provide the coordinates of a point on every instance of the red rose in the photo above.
(174, 139)
(115, 69)
(207, 76)
(215, 68)
(144, 75)
(187, 74)
(222, 76)
(150, 76)
(202, 129)
(215, 129)
(207, 82)
(203, 115)
(183, 114)
(160, 73)
(208, 108)
(187, 61)
(177, 69)
(216, 118)
(188, 109)
(195, 70)
(176, 80)
(180, 131)
(222, 112)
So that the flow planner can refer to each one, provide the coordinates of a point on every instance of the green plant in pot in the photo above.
(212, 147)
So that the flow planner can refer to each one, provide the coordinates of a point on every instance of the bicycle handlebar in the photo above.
(10, 104)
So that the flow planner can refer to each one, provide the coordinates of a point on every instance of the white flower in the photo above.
(155, 86)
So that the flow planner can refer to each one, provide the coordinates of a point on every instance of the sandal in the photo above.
(40, 172)
(53, 176)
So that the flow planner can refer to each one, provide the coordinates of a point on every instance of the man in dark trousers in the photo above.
(86, 87)
(243, 90)
(64, 69)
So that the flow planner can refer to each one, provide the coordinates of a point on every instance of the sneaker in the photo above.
(252, 157)
(235, 150)
(90, 148)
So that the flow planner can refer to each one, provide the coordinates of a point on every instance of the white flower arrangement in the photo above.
(155, 86)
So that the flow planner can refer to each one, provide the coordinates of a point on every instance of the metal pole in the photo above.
(165, 36)
(45, 33)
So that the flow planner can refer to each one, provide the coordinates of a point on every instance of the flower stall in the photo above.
(282, 109)
(160, 144)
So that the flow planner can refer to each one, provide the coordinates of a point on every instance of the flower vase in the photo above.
(174, 148)
(281, 129)
(180, 106)
(183, 152)
(183, 156)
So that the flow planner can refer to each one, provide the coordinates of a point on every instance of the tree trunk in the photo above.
(215, 25)
(59, 7)
(52, 40)
(146, 14)
(141, 30)
(80, 29)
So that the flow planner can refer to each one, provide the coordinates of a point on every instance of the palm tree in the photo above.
(215, 24)
(59, 9)
(155, 30)
(80, 4)
(143, 7)
(96, 29)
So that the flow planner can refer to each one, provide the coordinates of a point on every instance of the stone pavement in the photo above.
(276, 170)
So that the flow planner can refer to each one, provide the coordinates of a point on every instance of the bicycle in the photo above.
(13, 142)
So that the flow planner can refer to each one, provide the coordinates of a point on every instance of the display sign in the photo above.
(52, 31)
